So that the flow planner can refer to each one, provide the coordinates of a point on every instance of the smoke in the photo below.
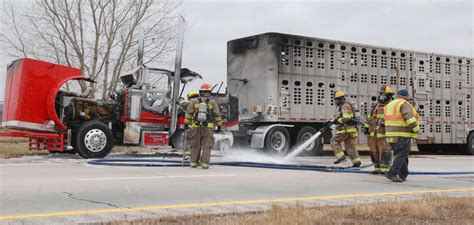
(251, 155)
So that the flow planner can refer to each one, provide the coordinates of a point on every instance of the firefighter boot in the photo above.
(375, 171)
(356, 164)
(339, 160)
(187, 155)
(383, 170)
(393, 178)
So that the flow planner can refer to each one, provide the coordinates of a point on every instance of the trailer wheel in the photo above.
(470, 144)
(277, 140)
(314, 148)
(94, 140)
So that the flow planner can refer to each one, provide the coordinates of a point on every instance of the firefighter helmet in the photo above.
(339, 94)
(193, 94)
(386, 94)
(403, 93)
(205, 87)
(386, 90)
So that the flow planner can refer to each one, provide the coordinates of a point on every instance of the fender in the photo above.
(258, 135)
(31, 89)
(50, 104)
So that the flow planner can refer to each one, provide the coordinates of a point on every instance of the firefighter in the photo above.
(202, 115)
(183, 107)
(346, 131)
(380, 150)
(183, 104)
(401, 125)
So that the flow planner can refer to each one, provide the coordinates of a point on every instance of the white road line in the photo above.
(155, 177)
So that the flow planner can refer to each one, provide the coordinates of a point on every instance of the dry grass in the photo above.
(18, 147)
(13, 147)
(428, 210)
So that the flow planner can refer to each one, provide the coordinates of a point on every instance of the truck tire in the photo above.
(277, 140)
(319, 146)
(470, 144)
(94, 140)
(306, 133)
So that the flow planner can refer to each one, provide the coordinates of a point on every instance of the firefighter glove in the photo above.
(326, 124)
(366, 130)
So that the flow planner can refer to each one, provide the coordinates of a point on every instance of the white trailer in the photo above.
(284, 85)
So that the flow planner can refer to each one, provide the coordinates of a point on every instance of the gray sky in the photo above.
(432, 26)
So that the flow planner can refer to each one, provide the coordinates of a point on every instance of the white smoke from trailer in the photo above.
(259, 156)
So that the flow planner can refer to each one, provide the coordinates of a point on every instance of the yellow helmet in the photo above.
(193, 94)
(339, 94)
(386, 90)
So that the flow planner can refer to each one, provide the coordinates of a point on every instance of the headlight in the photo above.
(51, 124)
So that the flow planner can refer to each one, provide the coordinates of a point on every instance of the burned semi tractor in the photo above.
(142, 112)
(284, 85)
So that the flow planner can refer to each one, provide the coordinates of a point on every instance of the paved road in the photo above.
(64, 189)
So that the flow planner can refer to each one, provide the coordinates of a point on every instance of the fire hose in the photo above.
(319, 168)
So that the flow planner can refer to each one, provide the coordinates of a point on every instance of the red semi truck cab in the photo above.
(29, 108)
(30, 91)
(38, 107)
(57, 119)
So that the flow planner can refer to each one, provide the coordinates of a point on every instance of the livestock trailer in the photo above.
(284, 85)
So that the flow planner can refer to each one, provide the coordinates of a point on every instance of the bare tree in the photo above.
(97, 36)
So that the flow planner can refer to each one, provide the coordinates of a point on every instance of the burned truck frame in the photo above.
(285, 83)
(55, 119)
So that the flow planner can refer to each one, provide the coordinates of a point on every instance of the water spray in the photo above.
(308, 142)
(301, 148)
